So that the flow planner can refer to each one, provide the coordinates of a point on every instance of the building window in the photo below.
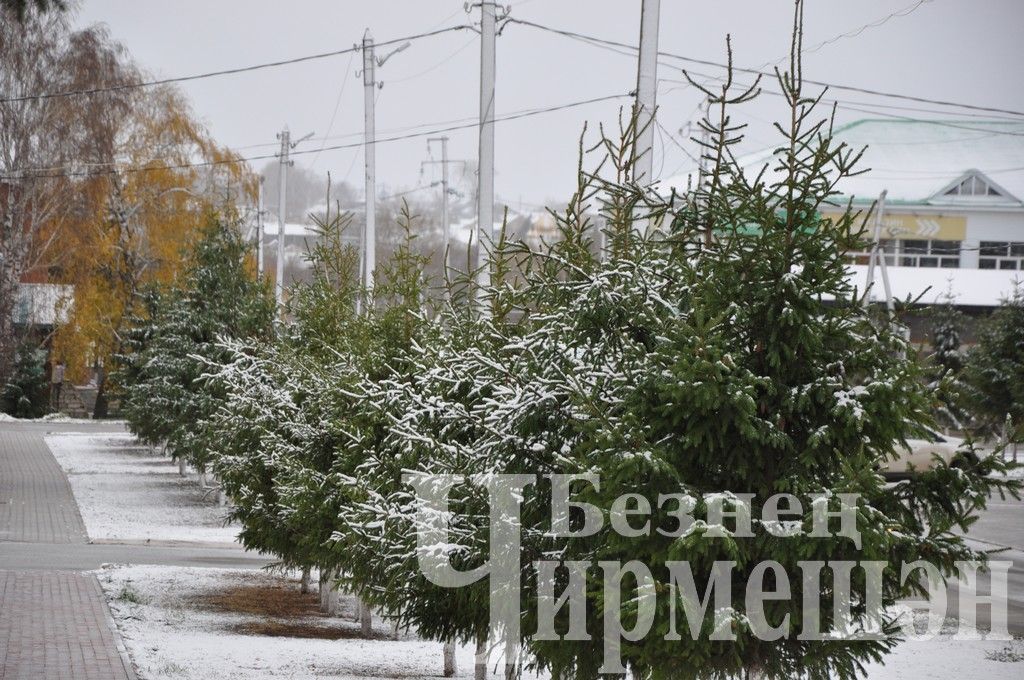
(886, 247)
(914, 253)
(973, 186)
(925, 253)
(1001, 255)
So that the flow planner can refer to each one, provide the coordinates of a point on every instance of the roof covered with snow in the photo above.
(919, 161)
(973, 287)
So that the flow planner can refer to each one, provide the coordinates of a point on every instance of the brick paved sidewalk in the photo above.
(36, 503)
(53, 624)
(56, 625)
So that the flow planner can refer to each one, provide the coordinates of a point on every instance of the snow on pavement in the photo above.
(171, 634)
(126, 492)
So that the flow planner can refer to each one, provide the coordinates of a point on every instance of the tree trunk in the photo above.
(100, 408)
(305, 580)
(333, 598)
(365, 619)
(182, 467)
(448, 652)
(202, 480)
(330, 598)
(480, 662)
(222, 498)
(324, 588)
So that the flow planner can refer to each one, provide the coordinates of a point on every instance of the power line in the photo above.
(224, 72)
(337, 104)
(910, 9)
(408, 191)
(437, 65)
(17, 174)
(860, 108)
(705, 62)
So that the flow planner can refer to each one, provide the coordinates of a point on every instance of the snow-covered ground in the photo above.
(175, 626)
(945, 658)
(128, 493)
(49, 418)
(174, 629)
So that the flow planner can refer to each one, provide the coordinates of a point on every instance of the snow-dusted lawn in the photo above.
(172, 631)
(943, 658)
(127, 493)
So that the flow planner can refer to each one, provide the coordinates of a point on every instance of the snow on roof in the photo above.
(972, 287)
(917, 160)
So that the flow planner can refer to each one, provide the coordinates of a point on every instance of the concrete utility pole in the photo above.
(646, 91)
(445, 220)
(286, 146)
(485, 166)
(445, 190)
(369, 160)
(876, 255)
(259, 228)
(282, 205)
(370, 84)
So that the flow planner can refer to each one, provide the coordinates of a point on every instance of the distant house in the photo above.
(954, 210)
(40, 305)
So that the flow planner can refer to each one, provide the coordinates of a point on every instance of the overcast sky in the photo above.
(960, 50)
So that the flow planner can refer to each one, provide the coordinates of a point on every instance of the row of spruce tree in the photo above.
(697, 343)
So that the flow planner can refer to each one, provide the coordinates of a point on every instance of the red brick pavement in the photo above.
(36, 503)
(54, 625)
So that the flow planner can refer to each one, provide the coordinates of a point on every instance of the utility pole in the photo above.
(259, 228)
(370, 161)
(878, 256)
(286, 146)
(646, 91)
(282, 204)
(445, 191)
(445, 228)
(370, 84)
(485, 165)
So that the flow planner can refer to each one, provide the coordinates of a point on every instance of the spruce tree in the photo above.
(216, 298)
(995, 369)
(718, 349)
(948, 363)
(24, 395)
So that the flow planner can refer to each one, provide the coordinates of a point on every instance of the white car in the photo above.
(919, 455)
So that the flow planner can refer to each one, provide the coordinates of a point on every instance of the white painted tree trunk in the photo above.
(448, 653)
(365, 619)
(333, 599)
(480, 662)
(202, 480)
(306, 579)
(222, 498)
(182, 467)
(330, 598)
(324, 588)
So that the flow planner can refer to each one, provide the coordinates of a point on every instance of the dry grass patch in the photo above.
(262, 599)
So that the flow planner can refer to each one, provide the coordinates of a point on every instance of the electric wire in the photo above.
(224, 72)
(705, 62)
(18, 174)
